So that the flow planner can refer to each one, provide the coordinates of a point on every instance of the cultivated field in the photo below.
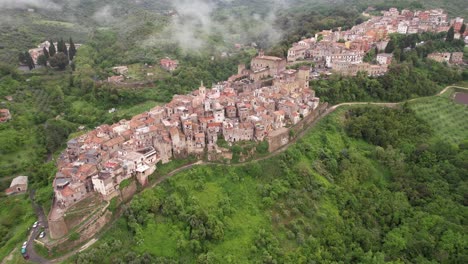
(447, 118)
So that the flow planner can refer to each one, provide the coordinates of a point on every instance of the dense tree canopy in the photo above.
(59, 60)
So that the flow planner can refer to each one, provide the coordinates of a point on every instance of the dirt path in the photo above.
(276, 152)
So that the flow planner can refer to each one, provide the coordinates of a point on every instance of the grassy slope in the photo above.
(13, 210)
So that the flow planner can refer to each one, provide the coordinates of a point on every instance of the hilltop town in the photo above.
(258, 103)
(248, 106)
(343, 51)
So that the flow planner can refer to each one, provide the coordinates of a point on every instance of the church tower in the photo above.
(202, 90)
(303, 76)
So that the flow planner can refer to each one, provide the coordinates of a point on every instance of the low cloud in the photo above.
(40, 4)
(194, 23)
(104, 15)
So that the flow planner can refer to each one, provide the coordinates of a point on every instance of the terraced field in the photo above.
(447, 118)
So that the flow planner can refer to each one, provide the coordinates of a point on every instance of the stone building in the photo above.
(275, 65)
(168, 64)
(440, 56)
(456, 58)
(384, 58)
(18, 185)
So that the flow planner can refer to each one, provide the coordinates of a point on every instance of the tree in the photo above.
(65, 50)
(462, 29)
(46, 52)
(450, 35)
(60, 45)
(52, 49)
(29, 61)
(72, 49)
(59, 60)
(22, 58)
(390, 47)
(42, 60)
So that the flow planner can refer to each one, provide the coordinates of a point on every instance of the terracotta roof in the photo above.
(273, 58)
(114, 141)
(86, 170)
(111, 164)
(67, 191)
(215, 124)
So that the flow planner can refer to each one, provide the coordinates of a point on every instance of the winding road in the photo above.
(39, 212)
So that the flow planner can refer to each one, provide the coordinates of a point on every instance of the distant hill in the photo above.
(23, 26)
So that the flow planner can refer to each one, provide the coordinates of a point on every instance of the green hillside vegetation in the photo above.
(332, 197)
(16, 217)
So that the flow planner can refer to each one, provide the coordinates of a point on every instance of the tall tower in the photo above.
(303, 76)
(202, 90)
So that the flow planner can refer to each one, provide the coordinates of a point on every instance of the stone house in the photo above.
(234, 132)
(274, 64)
(297, 52)
(456, 58)
(121, 70)
(70, 193)
(18, 185)
(440, 56)
(104, 184)
(384, 58)
(168, 64)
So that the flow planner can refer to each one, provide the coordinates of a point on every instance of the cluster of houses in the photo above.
(248, 106)
(344, 51)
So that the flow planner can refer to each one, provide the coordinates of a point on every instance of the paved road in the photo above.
(40, 213)
(42, 222)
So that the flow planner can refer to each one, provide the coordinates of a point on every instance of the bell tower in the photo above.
(202, 90)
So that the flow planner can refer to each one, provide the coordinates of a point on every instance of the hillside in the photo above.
(216, 25)
(301, 204)
(333, 196)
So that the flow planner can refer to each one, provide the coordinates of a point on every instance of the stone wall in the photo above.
(57, 228)
(306, 121)
(86, 231)
(128, 192)
(280, 137)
